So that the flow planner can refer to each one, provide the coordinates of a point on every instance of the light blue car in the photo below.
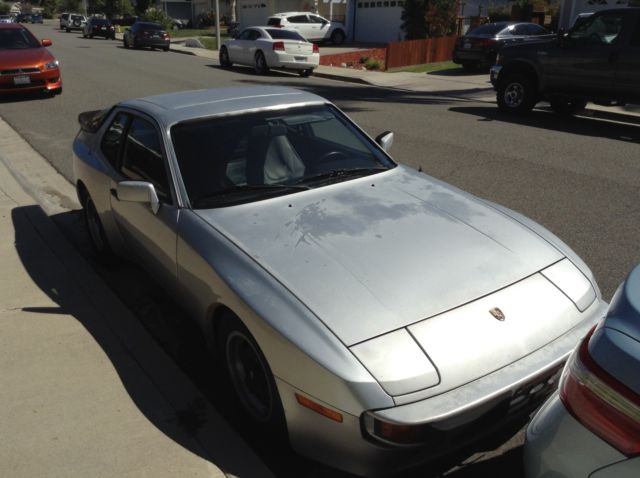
(591, 427)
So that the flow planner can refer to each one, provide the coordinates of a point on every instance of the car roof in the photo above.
(181, 106)
(14, 26)
(286, 14)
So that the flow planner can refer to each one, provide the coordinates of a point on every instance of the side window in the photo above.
(142, 159)
(244, 35)
(298, 19)
(254, 35)
(316, 19)
(537, 30)
(112, 139)
(520, 30)
(599, 29)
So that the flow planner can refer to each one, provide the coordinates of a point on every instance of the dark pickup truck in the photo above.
(597, 61)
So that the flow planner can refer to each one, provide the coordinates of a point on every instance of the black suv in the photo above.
(598, 61)
(99, 27)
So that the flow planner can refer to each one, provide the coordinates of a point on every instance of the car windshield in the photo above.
(279, 34)
(16, 39)
(249, 157)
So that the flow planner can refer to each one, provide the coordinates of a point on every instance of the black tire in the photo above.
(91, 35)
(98, 238)
(125, 42)
(225, 62)
(166, 48)
(84, 35)
(260, 62)
(567, 106)
(306, 73)
(249, 374)
(68, 29)
(337, 37)
(516, 94)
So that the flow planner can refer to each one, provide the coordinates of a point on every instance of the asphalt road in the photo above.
(580, 177)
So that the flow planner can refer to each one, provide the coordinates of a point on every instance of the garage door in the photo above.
(252, 13)
(379, 21)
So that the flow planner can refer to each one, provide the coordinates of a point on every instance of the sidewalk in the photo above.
(84, 390)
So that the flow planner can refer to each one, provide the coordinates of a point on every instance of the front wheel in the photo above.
(306, 73)
(261, 66)
(249, 374)
(567, 106)
(337, 37)
(516, 94)
(225, 61)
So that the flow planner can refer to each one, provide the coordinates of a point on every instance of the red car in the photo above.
(25, 64)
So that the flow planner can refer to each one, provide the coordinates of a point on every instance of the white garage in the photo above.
(378, 21)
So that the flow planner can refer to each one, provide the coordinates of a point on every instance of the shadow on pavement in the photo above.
(594, 123)
(152, 381)
(460, 72)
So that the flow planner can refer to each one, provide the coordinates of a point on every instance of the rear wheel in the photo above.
(96, 232)
(516, 94)
(567, 106)
(261, 64)
(225, 61)
(306, 73)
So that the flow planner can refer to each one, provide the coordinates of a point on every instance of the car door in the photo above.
(582, 62)
(318, 28)
(299, 23)
(149, 236)
(236, 47)
(627, 76)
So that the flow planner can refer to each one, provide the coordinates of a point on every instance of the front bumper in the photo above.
(477, 416)
(44, 81)
(494, 73)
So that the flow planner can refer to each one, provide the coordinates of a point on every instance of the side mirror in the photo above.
(140, 192)
(385, 140)
(46, 42)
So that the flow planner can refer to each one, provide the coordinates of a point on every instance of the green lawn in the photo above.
(209, 43)
(427, 67)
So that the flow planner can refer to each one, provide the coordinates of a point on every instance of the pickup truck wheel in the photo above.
(516, 94)
(567, 106)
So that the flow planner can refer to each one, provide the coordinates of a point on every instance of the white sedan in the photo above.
(266, 47)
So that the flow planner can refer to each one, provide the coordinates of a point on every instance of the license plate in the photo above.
(300, 58)
(21, 80)
(467, 45)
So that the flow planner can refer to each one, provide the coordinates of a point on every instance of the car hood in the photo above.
(375, 254)
(24, 57)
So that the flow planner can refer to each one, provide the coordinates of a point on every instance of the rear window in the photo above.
(100, 21)
(273, 22)
(284, 34)
(489, 29)
(150, 26)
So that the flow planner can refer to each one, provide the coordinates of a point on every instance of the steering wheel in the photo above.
(333, 156)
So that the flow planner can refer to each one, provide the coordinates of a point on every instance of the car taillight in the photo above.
(316, 49)
(165, 36)
(600, 402)
(484, 43)
(278, 46)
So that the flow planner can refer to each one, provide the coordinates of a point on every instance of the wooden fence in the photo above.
(416, 52)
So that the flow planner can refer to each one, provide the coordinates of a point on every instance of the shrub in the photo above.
(158, 16)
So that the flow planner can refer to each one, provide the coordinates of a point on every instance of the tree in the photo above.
(5, 8)
(142, 6)
(69, 5)
(48, 8)
(441, 19)
(414, 23)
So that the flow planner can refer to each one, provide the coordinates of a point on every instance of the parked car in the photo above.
(75, 22)
(23, 18)
(596, 61)
(146, 34)
(25, 64)
(6, 19)
(99, 27)
(479, 47)
(36, 18)
(592, 426)
(265, 48)
(311, 26)
(64, 20)
(378, 315)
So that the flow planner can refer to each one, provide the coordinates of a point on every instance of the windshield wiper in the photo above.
(249, 188)
(340, 174)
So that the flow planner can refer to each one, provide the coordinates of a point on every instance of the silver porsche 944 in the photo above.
(381, 317)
